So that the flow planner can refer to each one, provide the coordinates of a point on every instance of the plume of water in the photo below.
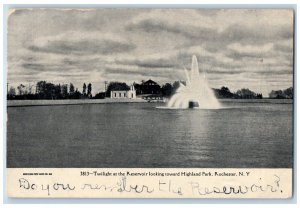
(196, 91)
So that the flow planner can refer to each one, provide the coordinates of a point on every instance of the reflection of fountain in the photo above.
(196, 92)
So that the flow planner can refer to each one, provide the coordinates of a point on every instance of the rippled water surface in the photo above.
(244, 133)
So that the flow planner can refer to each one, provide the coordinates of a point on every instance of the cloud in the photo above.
(257, 33)
(250, 48)
(156, 73)
(158, 26)
(81, 44)
(220, 29)
(40, 67)
(234, 47)
(275, 72)
(284, 46)
(148, 62)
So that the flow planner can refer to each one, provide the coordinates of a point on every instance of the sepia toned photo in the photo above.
(168, 89)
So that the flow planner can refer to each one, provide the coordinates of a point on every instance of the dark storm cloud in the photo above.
(83, 47)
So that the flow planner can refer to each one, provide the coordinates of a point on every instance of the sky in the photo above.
(235, 48)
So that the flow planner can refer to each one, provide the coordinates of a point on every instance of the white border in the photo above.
(145, 3)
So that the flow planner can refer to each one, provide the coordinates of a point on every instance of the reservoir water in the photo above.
(244, 133)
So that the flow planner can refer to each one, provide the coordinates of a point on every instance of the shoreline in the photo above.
(23, 103)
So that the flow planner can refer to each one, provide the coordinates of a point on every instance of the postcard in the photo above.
(150, 103)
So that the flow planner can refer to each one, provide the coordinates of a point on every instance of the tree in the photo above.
(40, 87)
(84, 89)
(100, 95)
(225, 89)
(64, 90)
(224, 92)
(116, 86)
(277, 94)
(289, 93)
(246, 94)
(260, 96)
(167, 90)
(45, 90)
(30, 89)
(89, 90)
(76, 95)
(71, 89)
(49, 91)
(137, 88)
(57, 91)
(12, 91)
(176, 85)
(282, 94)
(21, 89)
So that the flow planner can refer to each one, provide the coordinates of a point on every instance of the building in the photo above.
(119, 94)
(148, 87)
(131, 93)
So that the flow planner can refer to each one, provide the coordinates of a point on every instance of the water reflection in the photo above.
(140, 135)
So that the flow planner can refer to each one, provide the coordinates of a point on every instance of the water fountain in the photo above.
(195, 93)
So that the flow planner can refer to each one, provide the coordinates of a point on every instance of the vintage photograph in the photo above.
(150, 88)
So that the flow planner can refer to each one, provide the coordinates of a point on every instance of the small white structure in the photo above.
(131, 93)
(119, 94)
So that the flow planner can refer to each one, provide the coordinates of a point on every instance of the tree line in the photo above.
(282, 94)
(168, 89)
(47, 90)
(244, 93)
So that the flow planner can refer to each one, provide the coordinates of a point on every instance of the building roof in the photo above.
(150, 82)
(119, 90)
